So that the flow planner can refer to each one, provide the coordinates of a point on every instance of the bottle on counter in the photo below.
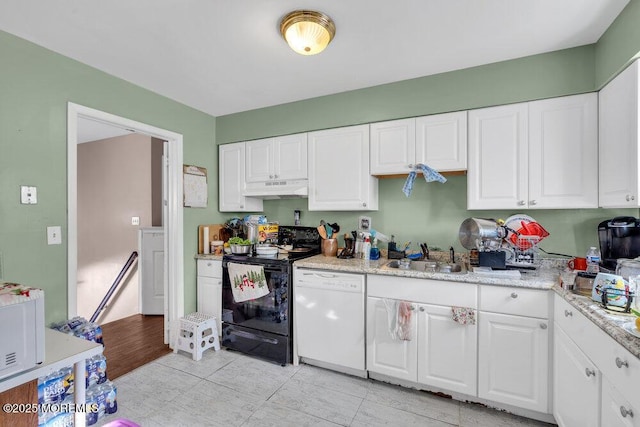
(375, 252)
(366, 249)
(593, 260)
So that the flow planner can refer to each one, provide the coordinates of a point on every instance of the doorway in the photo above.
(171, 206)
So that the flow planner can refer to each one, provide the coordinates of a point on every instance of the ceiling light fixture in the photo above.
(307, 32)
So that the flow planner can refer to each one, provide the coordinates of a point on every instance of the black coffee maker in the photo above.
(619, 238)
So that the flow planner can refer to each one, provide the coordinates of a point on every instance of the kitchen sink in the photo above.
(427, 266)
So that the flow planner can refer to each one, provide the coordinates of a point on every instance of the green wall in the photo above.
(435, 211)
(35, 86)
(619, 44)
(552, 74)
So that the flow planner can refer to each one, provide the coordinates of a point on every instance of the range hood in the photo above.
(277, 189)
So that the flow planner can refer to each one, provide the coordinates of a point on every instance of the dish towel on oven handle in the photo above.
(429, 174)
(247, 281)
(398, 319)
(463, 315)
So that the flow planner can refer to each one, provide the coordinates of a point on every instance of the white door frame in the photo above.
(172, 208)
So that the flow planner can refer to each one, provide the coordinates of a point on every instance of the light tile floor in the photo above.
(226, 388)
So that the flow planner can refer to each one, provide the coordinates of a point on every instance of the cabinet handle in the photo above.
(514, 295)
(624, 412)
(620, 363)
(241, 206)
(589, 372)
(208, 264)
(521, 203)
(568, 313)
(412, 307)
(364, 204)
(543, 326)
(275, 176)
(410, 166)
(533, 202)
(421, 308)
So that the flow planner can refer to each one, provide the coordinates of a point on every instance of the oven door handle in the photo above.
(251, 336)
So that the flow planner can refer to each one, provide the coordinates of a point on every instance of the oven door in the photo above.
(260, 326)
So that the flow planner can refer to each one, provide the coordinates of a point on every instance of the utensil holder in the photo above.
(330, 247)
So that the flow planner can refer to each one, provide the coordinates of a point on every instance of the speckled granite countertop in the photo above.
(608, 321)
(544, 278)
(208, 256)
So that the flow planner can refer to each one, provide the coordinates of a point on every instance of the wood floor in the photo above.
(132, 342)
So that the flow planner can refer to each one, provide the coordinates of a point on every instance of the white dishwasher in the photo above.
(329, 319)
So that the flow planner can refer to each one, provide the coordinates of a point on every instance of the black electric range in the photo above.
(261, 327)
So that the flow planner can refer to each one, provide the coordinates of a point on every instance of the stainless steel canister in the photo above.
(475, 231)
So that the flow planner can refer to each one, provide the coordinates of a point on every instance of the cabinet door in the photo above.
(259, 160)
(498, 149)
(339, 176)
(396, 358)
(618, 132)
(290, 157)
(513, 360)
(231, 159)
(563, 152)
(209, 296)
(441, 141)
(447, 351)
(393, 147)
(616, 410)
(576, 384)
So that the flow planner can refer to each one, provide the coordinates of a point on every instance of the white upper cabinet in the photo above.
(618, 171)
(339, 178)
(441, 141)
(497, 169)
(393, 146)
(231, 159)
(563, 152)
(537, 155)
(438, 141)
(278, 158)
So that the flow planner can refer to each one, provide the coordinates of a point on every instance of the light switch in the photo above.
(28, 195)
(54, 235)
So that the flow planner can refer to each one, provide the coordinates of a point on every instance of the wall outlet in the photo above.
(135, 220)
(54, 235)
(28, 195)
(364, 223)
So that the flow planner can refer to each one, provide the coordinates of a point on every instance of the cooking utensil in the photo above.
(329, 231)
(322, 231)
(240, 249)
(425, 250)
(335, 227)
(479, 233)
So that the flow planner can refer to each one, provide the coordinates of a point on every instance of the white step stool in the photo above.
(196, 333)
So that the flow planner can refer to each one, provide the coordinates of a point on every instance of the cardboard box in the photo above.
(268, 233)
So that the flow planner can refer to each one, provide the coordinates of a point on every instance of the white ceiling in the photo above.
(226, 56)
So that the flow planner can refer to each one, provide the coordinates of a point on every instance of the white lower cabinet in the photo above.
(209, 289)
(513, 360)
(576, 384)
(446, 350)
(441, 352)
(616, 409)
(386, 355)
(610, 396)
(513, 350)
